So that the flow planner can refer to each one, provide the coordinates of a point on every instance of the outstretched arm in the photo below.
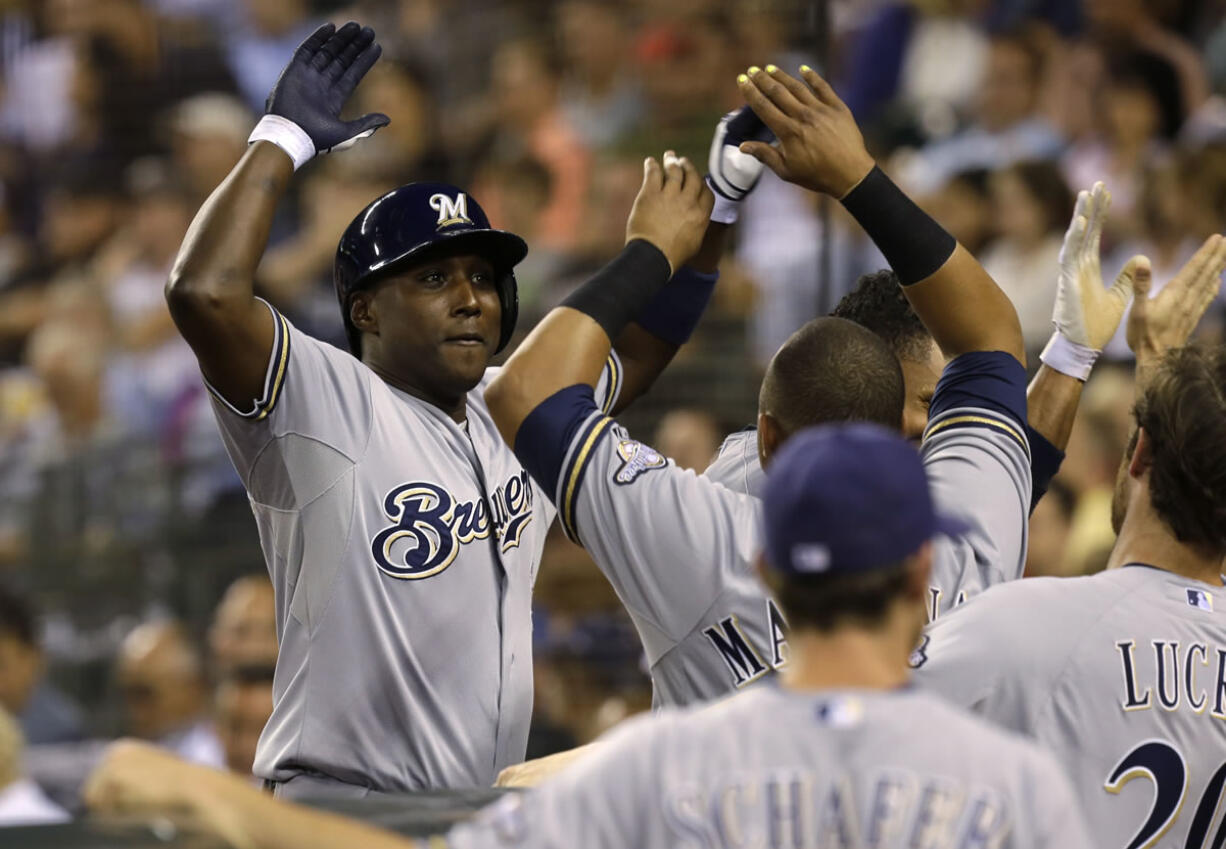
(649, 344)
(571, 344)
(820, 148)
(210, 290)
(140, 779)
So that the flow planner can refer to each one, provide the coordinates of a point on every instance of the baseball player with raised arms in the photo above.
(1052, 398)
(402, 536)
(679, 548)
(1123, 674)
(829, 758)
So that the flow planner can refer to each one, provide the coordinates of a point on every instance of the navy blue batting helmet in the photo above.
(414, 223)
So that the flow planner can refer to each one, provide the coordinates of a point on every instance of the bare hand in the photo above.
(672, 209)
(1167, 321)
(1085, 312)
(819, 145)
(138, 777)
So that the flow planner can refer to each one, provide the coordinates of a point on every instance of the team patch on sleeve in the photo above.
(274, 377)
(637, 458)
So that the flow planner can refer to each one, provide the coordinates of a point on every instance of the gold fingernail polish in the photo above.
(806, 68)
(742, 78)
(754, 69)
(770, 69)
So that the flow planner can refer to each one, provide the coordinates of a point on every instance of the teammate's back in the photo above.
(1122, 675)
(778, 767)
(840, 751)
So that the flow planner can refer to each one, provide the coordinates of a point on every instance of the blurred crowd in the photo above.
(134, 602)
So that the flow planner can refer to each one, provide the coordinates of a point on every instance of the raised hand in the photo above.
(318, 81)
(672, 208)
(732, 173)
(1167, 320)
(820, 146)
(1086, 313)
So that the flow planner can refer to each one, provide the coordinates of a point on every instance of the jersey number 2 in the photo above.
(1163, 764)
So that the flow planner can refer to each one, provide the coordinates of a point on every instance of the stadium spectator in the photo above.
(1165, 226)
(1133, 117)
(1006, 127)
(131, 272)
(208, 134)
(45, 714)
(600, 96)
(901, 52)
(244, 629)
(1031, 207)
(1135, 26)
(270, 31)
(242, 704)
(21, 800)
(963, 206)
(531, 122)
(165, 700)
(410, 147)
(1050, 524)
(689, 437)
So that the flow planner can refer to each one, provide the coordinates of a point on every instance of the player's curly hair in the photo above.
(1183, 412)
(878, 304)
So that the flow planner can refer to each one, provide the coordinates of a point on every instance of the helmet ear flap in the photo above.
(508, 297)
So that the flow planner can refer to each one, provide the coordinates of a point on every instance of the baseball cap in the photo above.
(847, 498)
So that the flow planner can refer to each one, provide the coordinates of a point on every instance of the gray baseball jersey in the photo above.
(982, 483)
(737, 465)
(680, 549)
(777, 768)
(403, 548)
(1122, 675)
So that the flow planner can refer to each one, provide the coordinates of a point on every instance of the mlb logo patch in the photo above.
(841, 712)
(1200, 598)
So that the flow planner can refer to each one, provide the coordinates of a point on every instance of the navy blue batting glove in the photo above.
(732, 174)
(304, 108)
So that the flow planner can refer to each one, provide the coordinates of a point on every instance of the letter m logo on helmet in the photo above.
(450, 211)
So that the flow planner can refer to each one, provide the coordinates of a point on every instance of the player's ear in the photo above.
(1142, 454)
(362, 311)
(770, 436)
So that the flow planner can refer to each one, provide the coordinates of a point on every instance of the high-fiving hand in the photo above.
(315, 85)
(1167, 320)
(819, 145)
(1086, 313)
(672, 208)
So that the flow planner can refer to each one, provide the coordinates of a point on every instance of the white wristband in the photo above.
(286, 135)
(1067, 357)
(725, 211)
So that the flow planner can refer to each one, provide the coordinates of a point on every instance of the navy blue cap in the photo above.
(847, 498)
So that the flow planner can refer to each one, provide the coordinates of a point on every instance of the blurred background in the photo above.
(132, 590)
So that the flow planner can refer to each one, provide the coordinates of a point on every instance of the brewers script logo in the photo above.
(431, 525)
(450, 211)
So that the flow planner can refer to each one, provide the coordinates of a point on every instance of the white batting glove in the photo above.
(1086, 314)
(732, 174)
